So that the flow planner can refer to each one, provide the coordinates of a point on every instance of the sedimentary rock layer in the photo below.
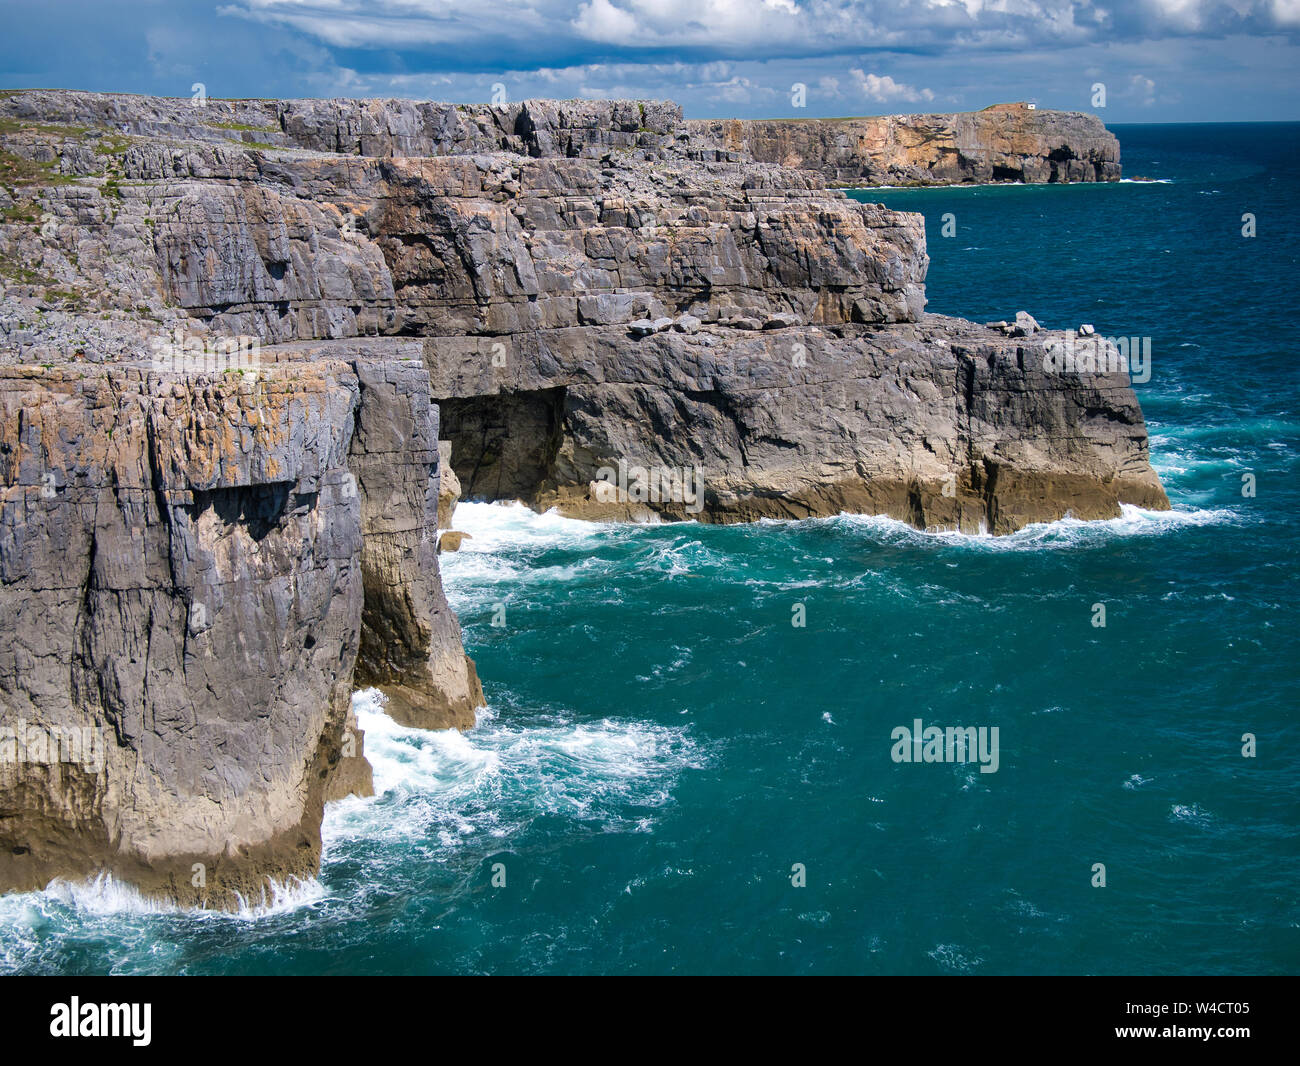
(411, 128)
(1007, 142)
(605, 274)
(915, 422)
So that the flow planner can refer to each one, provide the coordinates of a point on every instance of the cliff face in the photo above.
(1008, 142)
(203, 551)
(189, 565)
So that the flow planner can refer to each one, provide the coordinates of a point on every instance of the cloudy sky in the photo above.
(1159, 60)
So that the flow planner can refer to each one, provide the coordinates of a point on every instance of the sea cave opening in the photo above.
(503, 446)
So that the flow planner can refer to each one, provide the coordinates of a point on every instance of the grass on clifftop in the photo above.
(17, 172)
(16, 272)
(53, 129)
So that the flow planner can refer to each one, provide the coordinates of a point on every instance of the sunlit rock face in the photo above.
(1007, 142)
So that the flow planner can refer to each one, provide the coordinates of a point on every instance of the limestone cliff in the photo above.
(196, 570)
(233, 336)
(1007, 142)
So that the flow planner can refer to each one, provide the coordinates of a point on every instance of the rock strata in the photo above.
(1007, 142)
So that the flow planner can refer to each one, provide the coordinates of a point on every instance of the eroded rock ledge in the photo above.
(201, 558)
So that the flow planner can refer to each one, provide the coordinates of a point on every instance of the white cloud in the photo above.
(884, 89)
(1143, 89)
(602, 21)
(1286, 12)
(1185, 14)
(534, 31)
(695, 23)
(741, 56)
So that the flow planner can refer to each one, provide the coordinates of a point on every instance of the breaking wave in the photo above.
(444, 790)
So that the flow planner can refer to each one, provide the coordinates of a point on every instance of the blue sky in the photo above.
(1159, 60)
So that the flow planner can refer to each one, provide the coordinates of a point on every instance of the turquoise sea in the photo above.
(663, 746)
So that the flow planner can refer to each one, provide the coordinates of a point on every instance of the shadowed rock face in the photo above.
(1009, 142)
(201, 554)
(410, 640)
(939, 423)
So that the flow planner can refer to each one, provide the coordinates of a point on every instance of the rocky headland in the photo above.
(1006, 142)
(247, 347)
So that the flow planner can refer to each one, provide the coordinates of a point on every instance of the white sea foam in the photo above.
(436, 790)
(1172, 455)
(494, 526)
(508, 538)
(1064, 533)
(505, 539)
(682, 557)
(1191, 814)
(277, 897)
(682, 657)
(1009, 185)
(977, 185)
(954, 957)
(105, 897)
(508, 529)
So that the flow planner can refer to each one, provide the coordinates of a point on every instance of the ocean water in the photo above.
(665, 751)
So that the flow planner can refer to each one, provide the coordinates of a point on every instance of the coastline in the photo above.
(553, 289)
